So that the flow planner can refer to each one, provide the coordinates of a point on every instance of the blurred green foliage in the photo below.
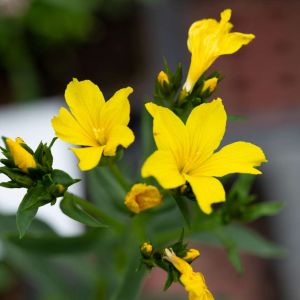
(42, 24)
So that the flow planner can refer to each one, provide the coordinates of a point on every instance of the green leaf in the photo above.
(252, 242)
(10, 184)
(74, 210)
(262, 209)
(29, 207)
(50, 244)
(8, 225)
(61, 177)
(131, 283)
(246, 240)
(17, 176)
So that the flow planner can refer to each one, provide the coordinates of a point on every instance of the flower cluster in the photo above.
(187, 163)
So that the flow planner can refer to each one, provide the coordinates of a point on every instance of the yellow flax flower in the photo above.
(141, 197)
(210, 84)
(21, 157)
(207, 40)
(99, 126)
(193, 282)
(186, 152)
(162, 78)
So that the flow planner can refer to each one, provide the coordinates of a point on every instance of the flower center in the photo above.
(100, 135)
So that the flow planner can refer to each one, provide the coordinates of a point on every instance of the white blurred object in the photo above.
(32, 122)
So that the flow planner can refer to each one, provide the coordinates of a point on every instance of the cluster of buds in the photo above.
(152, 257)
(32, 170)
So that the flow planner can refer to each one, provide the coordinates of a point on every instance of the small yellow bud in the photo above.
(146, 248)
(141, 197)
(210, 84)
(162, 78)
(21, 157)
(60, 188)
(191, 255)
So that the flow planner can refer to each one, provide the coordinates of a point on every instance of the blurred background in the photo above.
(116, 43)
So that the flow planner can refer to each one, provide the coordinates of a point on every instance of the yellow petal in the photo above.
(206, 126)
(85, 101)
(162, 166)
(238, 157)
(234, 41)
(119, 135)
(116, 110)
(89, 157)
(169, 132)
(207, 190)
(69, 130)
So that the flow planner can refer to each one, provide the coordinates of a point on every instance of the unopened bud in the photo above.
(210, 85)
(162, 78)
(146, 249)
(191, 255)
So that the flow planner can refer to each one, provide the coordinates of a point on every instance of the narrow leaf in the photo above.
(74, 210)
(51, 244)
(26, 210)
(262, 209)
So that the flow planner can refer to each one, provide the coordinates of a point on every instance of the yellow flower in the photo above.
(99, 126)
(210, 84)
(141, 197)
(162, 77)
(208, 39)
(146, 249)
(21, 157)
(193, 282)
(186, 152)
(191, 255)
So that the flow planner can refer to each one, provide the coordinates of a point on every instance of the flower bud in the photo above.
(210, 85)
(141, 197)
(191, 255)
(21, 157)
(162, 78)
(146, 249)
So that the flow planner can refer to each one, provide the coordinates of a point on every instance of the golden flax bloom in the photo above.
(141, 197)
(21, 157)
(186, 152)
(207, 40)
(98, 126)
(193, 282)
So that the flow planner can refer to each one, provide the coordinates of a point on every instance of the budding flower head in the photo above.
(191, 255)
(141, 197)
(146, 248)
(21, 157)
(210, 85)
(162, 78)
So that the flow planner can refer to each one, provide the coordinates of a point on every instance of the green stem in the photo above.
(119, 177)
(94, 211)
